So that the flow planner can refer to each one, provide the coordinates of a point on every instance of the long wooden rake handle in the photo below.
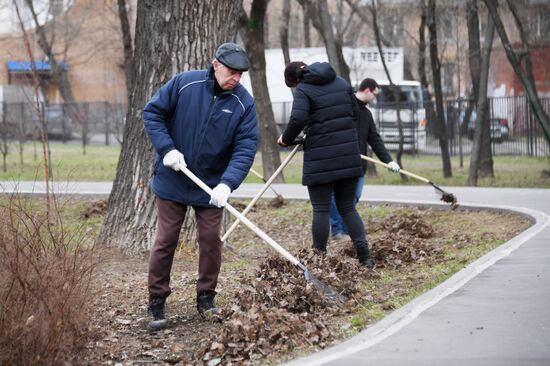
(265, 181)
(445, 196)
(402, 171)
(258, 175)
(262, 190)
(244, 220)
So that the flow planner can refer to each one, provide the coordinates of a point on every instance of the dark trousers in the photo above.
(344, 195)
(170, 219)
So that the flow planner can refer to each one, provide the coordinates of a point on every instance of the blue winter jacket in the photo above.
(217, 135)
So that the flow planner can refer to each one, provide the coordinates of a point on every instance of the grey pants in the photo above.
(170, 219)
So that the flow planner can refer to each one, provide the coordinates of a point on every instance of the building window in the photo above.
(446, 25)
(391, 27)
(542, 24)
(447, 78)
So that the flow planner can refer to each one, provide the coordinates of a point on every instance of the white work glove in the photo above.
(393, 167)
(174, 159)
(219, 195)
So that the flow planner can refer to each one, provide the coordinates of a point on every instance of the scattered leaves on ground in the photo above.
(268, 308)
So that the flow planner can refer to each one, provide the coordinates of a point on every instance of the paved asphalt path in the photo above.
(496, 311)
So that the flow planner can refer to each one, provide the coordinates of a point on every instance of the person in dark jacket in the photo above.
(367, 134)
(204, 120)
(323, 104)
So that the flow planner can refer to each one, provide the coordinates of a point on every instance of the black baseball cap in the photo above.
(233, 56)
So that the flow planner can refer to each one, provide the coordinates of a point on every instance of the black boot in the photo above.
(156, 310)
(319, 251)
(205, 304)
(364, 256)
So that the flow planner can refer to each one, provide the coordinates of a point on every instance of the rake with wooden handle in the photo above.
(445, 196)
(265, 181)
(329, 292)
(265, 186)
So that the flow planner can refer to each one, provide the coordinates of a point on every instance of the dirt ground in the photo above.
(270, 313)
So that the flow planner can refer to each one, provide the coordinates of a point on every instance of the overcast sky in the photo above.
(8, 17)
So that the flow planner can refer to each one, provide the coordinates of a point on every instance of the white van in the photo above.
(413, 115)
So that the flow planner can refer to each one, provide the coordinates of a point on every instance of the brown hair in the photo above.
(293, 73)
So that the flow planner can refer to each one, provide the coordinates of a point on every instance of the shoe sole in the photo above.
(157, 324)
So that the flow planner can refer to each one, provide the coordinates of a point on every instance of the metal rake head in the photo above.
(446, 196)
(327, 291)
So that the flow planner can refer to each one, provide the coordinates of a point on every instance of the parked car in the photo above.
(57, 125)
(499, 129)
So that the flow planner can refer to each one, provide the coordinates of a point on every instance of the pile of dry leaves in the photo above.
(277, 310)
(403, 240)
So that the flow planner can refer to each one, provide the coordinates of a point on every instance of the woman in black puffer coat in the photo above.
(323, 107)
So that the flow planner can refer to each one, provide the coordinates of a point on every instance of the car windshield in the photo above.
(410, 97)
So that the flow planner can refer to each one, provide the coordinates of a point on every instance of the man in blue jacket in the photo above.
(204, 120)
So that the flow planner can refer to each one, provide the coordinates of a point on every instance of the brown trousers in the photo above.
(170, 219)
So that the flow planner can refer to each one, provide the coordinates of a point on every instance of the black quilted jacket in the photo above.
(323, 106)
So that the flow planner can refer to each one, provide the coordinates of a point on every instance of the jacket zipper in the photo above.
(201, 139)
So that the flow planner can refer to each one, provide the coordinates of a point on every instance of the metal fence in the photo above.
(514, 129)
(90, 123)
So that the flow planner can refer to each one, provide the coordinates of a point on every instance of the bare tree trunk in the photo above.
(307, 36)
(170, 37)
(477, 60)
(525, 77)
(36, 84)
(430, 111)
(333, 46)
(474, 47)
(481, 150)
(436, 71)
(126, 43)
(252, 30)
(394, 89)
(386, 42)
(486, 159)
(283, 31)
(318, 12)
(4, 140)
(58, 72)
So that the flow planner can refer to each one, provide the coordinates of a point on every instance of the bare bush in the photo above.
(45, 294)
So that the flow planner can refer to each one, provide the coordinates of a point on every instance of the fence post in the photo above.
(529, 129)
(107, 122)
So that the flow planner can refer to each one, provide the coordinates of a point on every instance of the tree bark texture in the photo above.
(436, 72)
(526, 79)
(430, 110)
(171, 37)
(283, 31)
(472, 21)
(252, 29)
(333, 46)
(307, 35)
(486, 157)
(126, 42)
(481, 160)
(394, 89)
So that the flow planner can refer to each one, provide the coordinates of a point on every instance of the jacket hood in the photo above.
(319, 73)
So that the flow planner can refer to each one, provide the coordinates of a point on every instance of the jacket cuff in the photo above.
(166, 149)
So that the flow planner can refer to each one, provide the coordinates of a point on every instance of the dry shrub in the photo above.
(45, 276)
